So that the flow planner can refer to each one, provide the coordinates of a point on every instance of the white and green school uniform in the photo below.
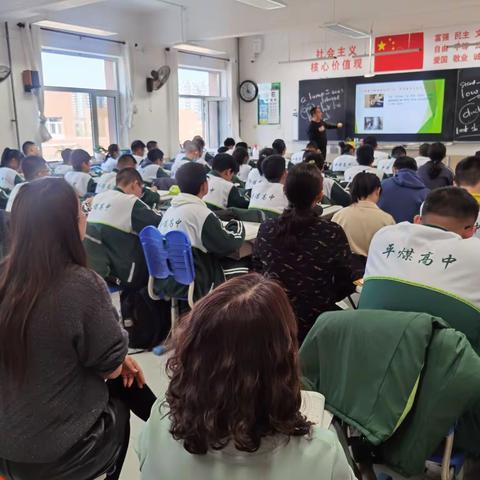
(150, 172)
(419, 268)
(109, 165)
(62, 169)
(385, 166)
(112, 243)
(13, 194)
(343, 163)
(353, 171)
(82, 182)
(9, 178)
(268, 197)
(421, 160)
(223, 194)
(177, 164)
(209, 238)
(253, 178)
(334, 192)
(106, 182)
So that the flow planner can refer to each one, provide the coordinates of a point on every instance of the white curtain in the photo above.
(172, 93)
(32, 47)
(127, 94)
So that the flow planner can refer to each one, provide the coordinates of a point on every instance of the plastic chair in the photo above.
(169, 256)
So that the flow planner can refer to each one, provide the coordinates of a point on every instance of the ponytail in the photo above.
(291, 222)
(434, 169)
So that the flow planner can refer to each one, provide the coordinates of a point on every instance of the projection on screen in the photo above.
(409, 107)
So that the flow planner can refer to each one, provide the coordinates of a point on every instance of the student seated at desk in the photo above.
(114, 222)
(385, 165)
(362, 220)
(191, 154)
(204, 158)
(152, 167)
(9, 168)
(430, 266)
(32, 168)
(80, 178)
(364, 164)
(346, 159)
(108, 180)
(308, 255)
(377, 154)
(209, 238)
(256, 174)
(423, 153)
(237, 351)
(138, 151)
(229, 143)
(279, 147)
(467, 176)
(110, 162)
(269, 196)
(241, 157)
(403, 194)
(332, 190)
(222, 193)
(435, 174)
(66, 166)
(30, 149)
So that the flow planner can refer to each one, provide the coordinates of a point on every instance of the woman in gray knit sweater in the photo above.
(60, 341)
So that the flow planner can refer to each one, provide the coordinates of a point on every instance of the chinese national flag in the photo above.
(395, 60)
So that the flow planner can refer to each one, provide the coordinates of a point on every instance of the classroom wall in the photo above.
(265, 67)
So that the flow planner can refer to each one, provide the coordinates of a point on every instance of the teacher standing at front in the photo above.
(317, 130)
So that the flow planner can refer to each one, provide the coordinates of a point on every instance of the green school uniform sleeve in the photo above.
(151, 198)
(92, 186)
(161, 173)
(143, 216)
(339, 196)
(237, 200)
(18, 179)
(219, 240)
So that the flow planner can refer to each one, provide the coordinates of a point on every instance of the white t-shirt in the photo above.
(352, 172)
(244, 172)
(319, 457)
(13, 194)
(421, 161)
(109, 165)
(343, 163)
(269, 197)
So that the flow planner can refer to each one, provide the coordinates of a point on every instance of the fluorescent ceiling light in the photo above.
(264, 4)
(74, 28)
(192, 48)
(347, 31)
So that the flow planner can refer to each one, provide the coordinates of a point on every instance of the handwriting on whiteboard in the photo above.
(328, 101)
(468, 117)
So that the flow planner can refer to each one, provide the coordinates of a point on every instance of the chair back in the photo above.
(169, 255)
(156, 255)
(180, 257)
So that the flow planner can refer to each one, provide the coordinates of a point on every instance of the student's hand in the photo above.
(321, 129)
(131, 371)
(339, 125)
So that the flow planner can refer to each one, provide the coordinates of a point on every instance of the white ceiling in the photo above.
(208, 19)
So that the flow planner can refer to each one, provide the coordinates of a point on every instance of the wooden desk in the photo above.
(330, 210)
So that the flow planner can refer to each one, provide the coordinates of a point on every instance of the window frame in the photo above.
(92, 93)
(206, 99)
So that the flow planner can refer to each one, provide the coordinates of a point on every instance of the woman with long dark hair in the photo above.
(435, 174)
(59, 341)
(308, 255)
(233, 408)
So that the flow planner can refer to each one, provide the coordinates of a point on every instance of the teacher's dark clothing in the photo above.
(320, 138)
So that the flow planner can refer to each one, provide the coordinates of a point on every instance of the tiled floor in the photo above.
(154, 369)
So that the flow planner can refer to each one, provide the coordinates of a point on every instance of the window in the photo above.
(201, 105)
(81, 102)
(55, 126)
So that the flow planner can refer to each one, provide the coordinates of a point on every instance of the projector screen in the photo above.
(405, 107)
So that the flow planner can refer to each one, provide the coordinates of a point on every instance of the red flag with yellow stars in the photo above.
(396, 58)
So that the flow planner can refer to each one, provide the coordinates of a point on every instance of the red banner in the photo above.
(396, 59)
